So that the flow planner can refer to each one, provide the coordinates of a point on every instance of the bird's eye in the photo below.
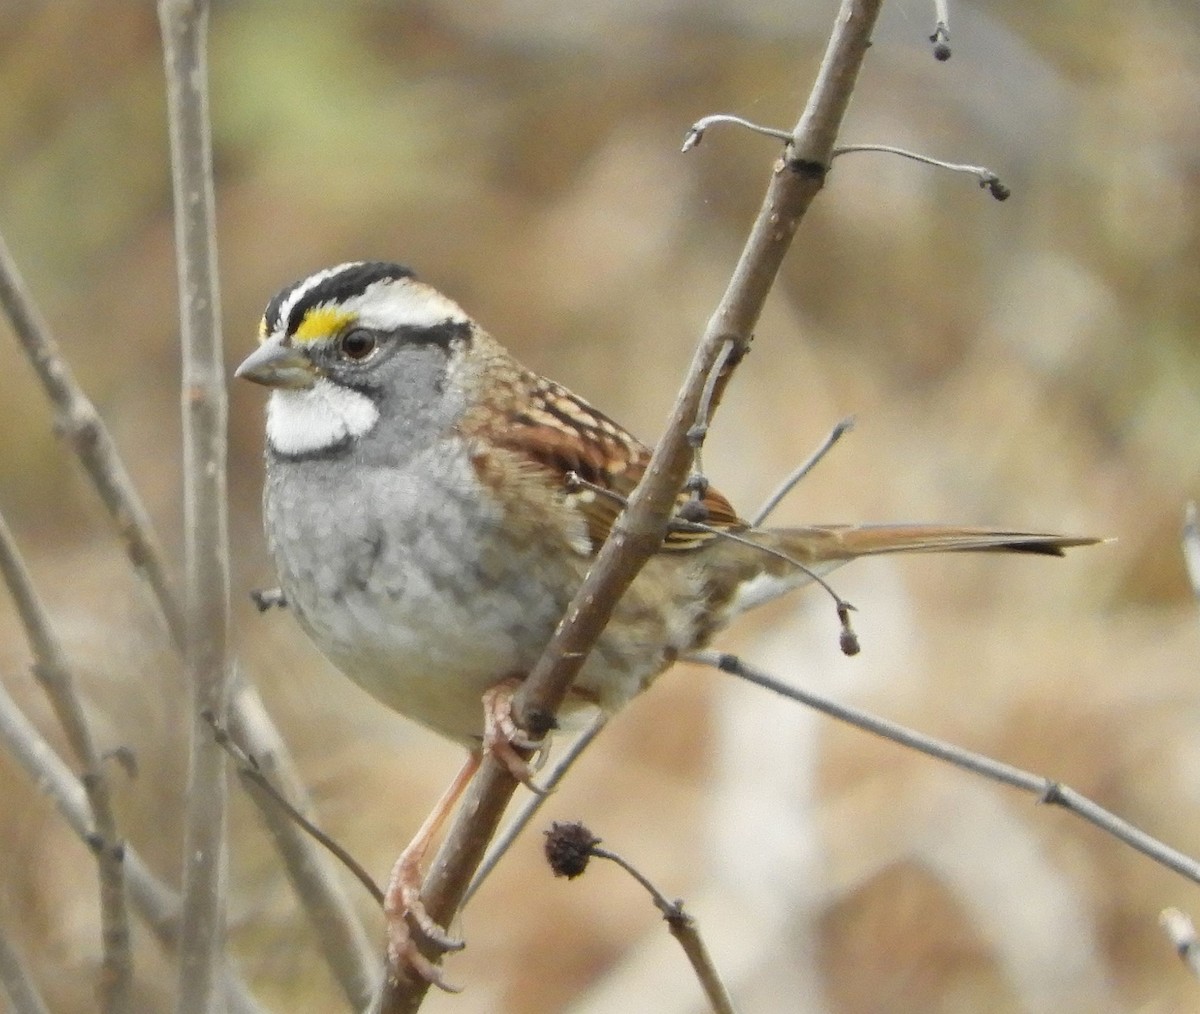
(357, 344)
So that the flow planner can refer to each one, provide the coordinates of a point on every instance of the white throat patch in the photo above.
(303, 422)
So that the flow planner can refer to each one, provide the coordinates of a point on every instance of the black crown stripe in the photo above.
(349, 282)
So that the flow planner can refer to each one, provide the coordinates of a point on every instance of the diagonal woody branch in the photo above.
(796, 179)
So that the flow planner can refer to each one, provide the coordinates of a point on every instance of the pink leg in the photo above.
(402, 900)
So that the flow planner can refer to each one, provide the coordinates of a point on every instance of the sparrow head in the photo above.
(339, 344)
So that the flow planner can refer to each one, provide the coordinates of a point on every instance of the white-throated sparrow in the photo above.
(425, 534)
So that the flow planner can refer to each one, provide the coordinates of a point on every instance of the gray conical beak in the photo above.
(275, 364)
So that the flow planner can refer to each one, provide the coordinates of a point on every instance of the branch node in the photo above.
(1052, 794)
(808, 169)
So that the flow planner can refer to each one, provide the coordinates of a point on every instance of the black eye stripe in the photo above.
(438, 334)
(343, 285)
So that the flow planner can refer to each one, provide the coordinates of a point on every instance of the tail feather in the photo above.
(845, 542)
(818, 549)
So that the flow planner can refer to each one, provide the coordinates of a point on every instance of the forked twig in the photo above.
(848, 639)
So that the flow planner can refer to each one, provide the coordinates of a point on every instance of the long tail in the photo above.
(821, 543)
(821, 548)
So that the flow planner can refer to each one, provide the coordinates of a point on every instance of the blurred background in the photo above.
(1028, 364)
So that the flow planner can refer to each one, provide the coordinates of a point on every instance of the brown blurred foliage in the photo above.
(1032, 364)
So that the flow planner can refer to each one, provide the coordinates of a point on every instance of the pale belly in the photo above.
(426, 597)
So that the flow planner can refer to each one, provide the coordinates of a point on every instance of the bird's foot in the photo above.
(405, 911)
(504, 740)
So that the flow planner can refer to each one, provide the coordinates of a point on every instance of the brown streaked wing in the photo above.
(563, 433)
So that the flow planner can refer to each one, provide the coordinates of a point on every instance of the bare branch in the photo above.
(801, 470)
(53, 671)
(343, 941)
(988, 180)
(1044, 789)
(568, 847)
(184, 27)
(639, 531)
(695, 133)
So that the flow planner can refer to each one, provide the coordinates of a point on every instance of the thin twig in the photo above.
(801, 470)
(684, 929)
(256, 782)
(988, 180)
(184, 28)
(155, 903)
(1044, 789)
(639, 531)
(351, 956)
(695, 133)
(53, 671)
(570, 846)
(16, 982)
(699, 429)
(534, 803)
(847, 638)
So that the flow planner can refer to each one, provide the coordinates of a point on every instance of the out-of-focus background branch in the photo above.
(1031, 363)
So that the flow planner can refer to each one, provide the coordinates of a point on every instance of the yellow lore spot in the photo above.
(321, 322)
